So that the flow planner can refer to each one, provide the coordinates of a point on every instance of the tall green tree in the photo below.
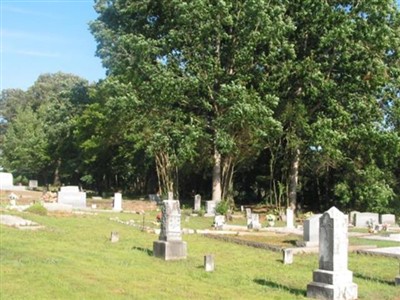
(199, 64)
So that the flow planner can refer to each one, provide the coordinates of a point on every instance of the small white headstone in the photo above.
(209, 264)
(366, 219)
(311, 231)
(254, 222)
(197, 202)
(287, 256)
(33, 184)
(114, 237)
(289, 218)
(388, 219)
(210, 208)
(6, 180)
(219, 221)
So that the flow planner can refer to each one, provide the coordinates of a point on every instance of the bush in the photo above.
(37, 209)
(222, 208)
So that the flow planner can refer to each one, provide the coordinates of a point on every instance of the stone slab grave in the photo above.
(365, 219)
(33, 184)
(333, 280)
(388, 219)
(170, 245)
(197, 202)
(117, 203)
(73, 196)
(310, 232)
(18, 222)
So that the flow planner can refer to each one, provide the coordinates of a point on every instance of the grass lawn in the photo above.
(72, 258)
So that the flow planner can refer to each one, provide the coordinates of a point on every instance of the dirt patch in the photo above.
(28, 197)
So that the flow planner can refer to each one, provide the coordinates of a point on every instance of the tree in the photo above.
(201, 63)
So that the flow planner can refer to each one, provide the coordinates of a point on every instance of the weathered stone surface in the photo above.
(253, 222)
(72, 196)
(333, 280)
(114, 237)
(6, 180)
(172, 250)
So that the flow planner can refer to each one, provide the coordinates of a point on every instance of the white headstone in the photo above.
(388, 219)
(114, 237)
(254, 222)
(33, 184)
(117, 205)
(366, 219)
(197, 202)
(287, 256)
(209, 263)
(6, 180)
(210, 208)
(72, 196)
(170, 245)
(219, 221)
(289, 218)
(333, 280)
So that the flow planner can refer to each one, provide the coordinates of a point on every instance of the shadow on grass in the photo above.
(291, 242)
(369, 278)
(147, 251)
(294, 291)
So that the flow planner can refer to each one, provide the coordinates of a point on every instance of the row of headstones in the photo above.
(71, 195)
(367, 219)
(332, 280)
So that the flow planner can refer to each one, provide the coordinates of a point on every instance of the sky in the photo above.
(46, 36)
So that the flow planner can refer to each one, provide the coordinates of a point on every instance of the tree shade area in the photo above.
(277, 102)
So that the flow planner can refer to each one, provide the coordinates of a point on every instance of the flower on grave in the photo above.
(270, 218)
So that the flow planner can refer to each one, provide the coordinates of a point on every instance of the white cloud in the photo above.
(38, 53)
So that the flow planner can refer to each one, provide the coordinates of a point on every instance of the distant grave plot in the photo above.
(72, 196)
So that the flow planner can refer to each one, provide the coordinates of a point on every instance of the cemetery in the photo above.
(110, 248)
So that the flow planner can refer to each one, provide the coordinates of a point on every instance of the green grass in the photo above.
(72, 258)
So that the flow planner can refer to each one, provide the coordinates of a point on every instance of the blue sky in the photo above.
(46, 37)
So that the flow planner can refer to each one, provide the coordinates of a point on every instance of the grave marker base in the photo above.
(171, 250)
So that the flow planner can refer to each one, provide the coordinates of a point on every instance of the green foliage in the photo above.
(37, 209)
(222, 207)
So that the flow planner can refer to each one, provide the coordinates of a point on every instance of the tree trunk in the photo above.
(228, 168)
(56, 181)
(216, 177)
(294, 178)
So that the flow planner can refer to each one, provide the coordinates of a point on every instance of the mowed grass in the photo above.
(72, 258)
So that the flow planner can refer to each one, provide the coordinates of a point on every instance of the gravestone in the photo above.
(333, 280)
(388, 219)
(253, 222)
(72, 196)
(311, 231)
(248, 213)
(170, 245)
(170, 196)
(209, 263)
(287, 256)
(114, 237)
(366, 219)
(351, 216)
(289, 218)
(33, 184)
(210, 208)
(117, 205)
(219, 221)
(197, 202)
(6, 181)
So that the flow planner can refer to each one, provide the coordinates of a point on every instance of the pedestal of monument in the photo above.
(171, 250)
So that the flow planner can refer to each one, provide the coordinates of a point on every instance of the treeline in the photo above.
(281, 102)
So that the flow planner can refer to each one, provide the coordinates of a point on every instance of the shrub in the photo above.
(222, 207)
(38, 209)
